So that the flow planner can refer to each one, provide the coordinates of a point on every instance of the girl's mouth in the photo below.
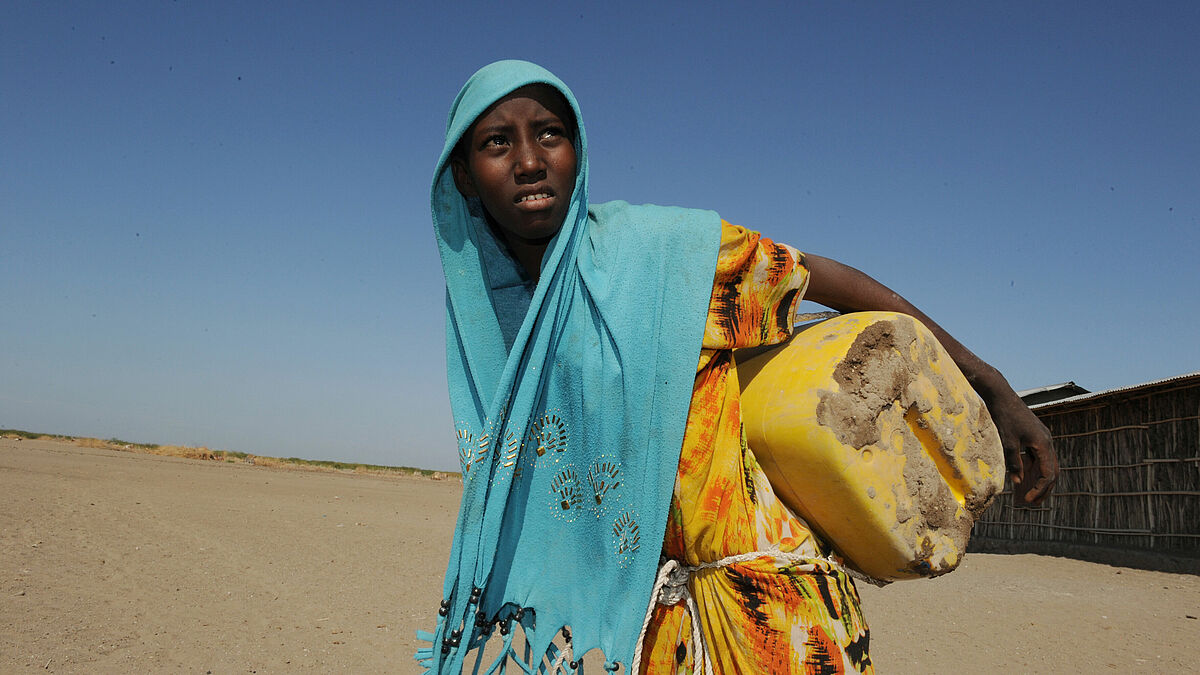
(535, 201)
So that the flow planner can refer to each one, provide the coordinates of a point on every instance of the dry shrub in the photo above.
(291, 463)
(194, 453)
(268, 461)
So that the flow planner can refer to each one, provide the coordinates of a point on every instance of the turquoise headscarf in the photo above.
(570, 400)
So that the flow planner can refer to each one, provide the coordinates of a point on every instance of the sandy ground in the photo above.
(117, 562)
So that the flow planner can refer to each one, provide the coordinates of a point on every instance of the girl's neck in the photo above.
(527, 253)
(529, 256)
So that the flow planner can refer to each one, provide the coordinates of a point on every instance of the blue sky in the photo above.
(214, 220)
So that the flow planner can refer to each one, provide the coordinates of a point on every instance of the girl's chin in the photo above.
(528, 234)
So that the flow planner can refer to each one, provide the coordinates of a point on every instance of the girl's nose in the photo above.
(529, 159)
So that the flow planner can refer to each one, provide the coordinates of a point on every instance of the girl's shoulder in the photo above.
(651, 222)
(641, 242)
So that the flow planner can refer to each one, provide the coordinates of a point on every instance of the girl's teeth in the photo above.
(540, 195)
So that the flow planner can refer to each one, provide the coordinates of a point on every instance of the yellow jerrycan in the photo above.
(868, 430)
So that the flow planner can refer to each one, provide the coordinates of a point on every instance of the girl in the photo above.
(591, 442)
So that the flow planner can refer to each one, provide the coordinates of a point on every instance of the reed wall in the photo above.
(1130, 478)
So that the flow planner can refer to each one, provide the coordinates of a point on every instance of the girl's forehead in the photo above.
(545, 96)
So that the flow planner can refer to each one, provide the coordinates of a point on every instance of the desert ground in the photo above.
(117, 562)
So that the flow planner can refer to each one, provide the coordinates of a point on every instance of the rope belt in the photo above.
(671, 588)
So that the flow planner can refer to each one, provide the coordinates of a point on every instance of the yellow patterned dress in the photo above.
(760, 616)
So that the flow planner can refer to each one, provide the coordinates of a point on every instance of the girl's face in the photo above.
(519, 160)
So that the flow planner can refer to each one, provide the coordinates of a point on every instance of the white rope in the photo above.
(671, 588)
(565, 655)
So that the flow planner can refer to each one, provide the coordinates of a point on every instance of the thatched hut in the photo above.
(1129, 491)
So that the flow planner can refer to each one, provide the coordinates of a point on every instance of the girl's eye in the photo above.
(552, 132)
(494, 140)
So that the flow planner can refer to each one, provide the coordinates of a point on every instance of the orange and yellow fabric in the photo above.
(762, 615)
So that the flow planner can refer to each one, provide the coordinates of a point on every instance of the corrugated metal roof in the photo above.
(1051, 393)
(1049, 387)
(1132, 387)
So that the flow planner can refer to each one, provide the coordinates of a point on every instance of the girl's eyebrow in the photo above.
(492, 128)
(544, 120)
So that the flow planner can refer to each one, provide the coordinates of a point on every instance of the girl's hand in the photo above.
(1028, 447)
